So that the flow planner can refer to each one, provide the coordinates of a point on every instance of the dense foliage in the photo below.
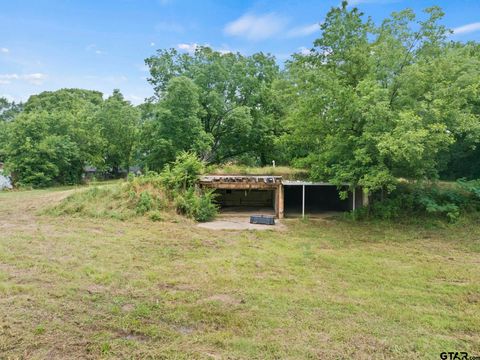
(59, 133)
(54, 137)
(231, 103)
(416, 202)
(180, 181)
(369, 105)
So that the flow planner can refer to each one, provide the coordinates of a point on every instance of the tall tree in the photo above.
(8, 111)
(235, 96)
(55, 136)
(373, 104)
(119, 123)
(173, 125)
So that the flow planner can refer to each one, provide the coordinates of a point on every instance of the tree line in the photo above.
(367, 105)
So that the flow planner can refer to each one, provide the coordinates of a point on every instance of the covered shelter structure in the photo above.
(282, 197)
(252, 192)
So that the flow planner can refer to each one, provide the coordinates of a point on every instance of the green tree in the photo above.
(40, 151)
(8, 112)
(55, 136)
(173, 125)
(237, 108)
(70, 100)
(372, 104)
(119, 122)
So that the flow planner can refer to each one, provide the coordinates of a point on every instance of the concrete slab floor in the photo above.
(240, 220)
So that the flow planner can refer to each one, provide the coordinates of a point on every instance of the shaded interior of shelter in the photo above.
(318, 199)
(246, 201)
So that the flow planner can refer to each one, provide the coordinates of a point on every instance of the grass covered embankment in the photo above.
(155, 196)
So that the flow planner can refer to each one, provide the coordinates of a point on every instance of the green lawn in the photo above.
(322, 289)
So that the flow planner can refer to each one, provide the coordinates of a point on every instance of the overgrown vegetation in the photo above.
(368, 105)
(418, 202)
(155, 196)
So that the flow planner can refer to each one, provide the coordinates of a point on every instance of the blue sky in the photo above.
(101, 44)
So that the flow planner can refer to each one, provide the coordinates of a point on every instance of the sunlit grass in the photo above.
(99, 287)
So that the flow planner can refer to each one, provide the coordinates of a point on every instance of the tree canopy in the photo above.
(236, 107)
(368, 105)
(58, 133)
(373, 104)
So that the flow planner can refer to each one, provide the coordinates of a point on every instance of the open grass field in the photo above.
(75, 288)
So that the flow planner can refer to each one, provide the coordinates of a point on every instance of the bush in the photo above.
(155, 216)
(183, 173)
(196, 205)
(179, 180)
(420, 201)
(472, 187)
(145, 203)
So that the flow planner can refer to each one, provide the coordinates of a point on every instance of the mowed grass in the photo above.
(323, 289)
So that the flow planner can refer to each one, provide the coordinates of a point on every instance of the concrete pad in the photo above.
(239, 223)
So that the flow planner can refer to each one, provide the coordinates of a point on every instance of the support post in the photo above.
(281, 201)
(354, 199)
(303, 201)
(275, 202)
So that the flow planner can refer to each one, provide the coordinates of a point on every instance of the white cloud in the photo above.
(7, 78)
(466, 29)
(9, 97)
(304, 50)
(93, 48)
(4, 50)
(190, 48)
(256, 27)
(34, 78)
(152, 44)
(135, 99)
(303, 30)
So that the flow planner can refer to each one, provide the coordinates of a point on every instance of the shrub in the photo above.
(183, 173)
(145, 203)
(196, 205)
(155, 216)
(472, 187)
(418, 201)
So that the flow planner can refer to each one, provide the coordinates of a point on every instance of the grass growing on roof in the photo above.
(234, 169)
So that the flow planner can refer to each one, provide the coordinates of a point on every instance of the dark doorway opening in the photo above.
(246, 200)
(318, 199)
